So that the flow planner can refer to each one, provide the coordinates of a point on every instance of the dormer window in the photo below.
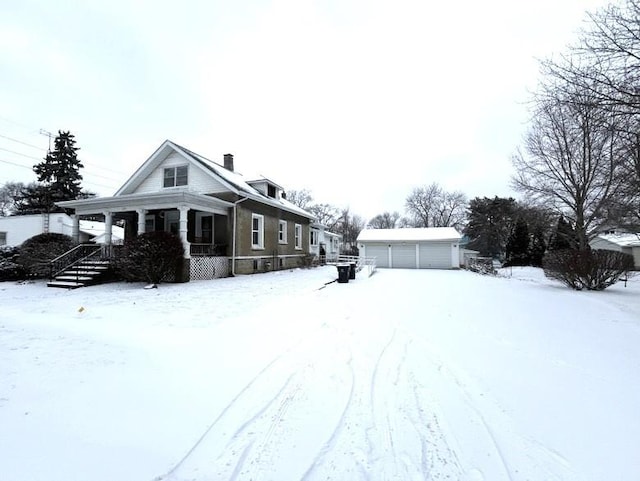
(271, 191)
(175, 176)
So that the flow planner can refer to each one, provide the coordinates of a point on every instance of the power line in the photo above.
(21, 142)
(16, 164)
(18, 153)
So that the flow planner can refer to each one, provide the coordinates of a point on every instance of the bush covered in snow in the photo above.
(35, 253)
(587, 269)
(151, 257)
(10, 270)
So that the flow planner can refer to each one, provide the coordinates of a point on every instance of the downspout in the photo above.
(233, 246)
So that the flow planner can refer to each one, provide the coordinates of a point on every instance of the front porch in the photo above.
(203, 223)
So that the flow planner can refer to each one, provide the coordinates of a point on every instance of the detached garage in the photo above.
(423, 248)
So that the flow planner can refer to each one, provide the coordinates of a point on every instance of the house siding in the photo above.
(198, 180)
(269, 256)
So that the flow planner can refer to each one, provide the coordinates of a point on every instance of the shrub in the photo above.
(10, 270)
(151, 257)
(594, 270)
(35, 253)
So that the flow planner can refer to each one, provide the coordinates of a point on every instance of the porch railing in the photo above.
(76, 255)
(208, 249)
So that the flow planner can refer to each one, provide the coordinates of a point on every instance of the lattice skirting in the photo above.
(207, 267)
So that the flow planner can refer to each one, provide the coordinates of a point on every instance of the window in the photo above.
(271, 191)
(257, 231)
(175, 176)
(3, 238)
(150, 223)
(282, 232)
(172, 221)
(298, 236)
(314, 237)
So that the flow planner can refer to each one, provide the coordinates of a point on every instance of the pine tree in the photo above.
(60, 170)
(564, 237)
(537, 248)
(517, 248)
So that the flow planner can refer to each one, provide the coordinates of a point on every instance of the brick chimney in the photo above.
(228, 162)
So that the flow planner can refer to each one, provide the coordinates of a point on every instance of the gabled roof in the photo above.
(410, 234)
(233, 181)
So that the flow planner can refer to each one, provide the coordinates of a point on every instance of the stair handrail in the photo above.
(72, 257)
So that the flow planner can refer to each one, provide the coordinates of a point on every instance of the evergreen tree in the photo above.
(518, 243)
(489, 224)
(537, 248)
(60, 170)
(564, 237)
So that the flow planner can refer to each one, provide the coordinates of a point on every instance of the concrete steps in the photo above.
(83, 274)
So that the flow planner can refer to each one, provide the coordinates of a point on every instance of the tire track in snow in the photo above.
(220, 416)
(330, 444)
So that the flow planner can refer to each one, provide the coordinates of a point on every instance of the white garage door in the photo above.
(403, 256)
(435, 255)
(380, 252)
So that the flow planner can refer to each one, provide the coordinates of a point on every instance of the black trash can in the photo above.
(343, 273)
(352, 270)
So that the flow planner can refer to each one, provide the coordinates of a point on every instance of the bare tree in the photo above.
(301, 198)
(350, 226)
(604, 63)
(326, 214)
(386, 220)
(10, 195)
(570, 162)
(432, 206)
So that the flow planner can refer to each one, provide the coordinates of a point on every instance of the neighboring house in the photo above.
(324, 243)
(621, 242)
(16, 229)
(226, 223)
(414, 248)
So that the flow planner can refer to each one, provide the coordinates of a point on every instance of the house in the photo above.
(621, 242)
(16, 229)
(323, 242)
(413, 248)
(227, 224)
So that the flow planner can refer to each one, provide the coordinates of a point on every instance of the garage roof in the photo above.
(410, 234)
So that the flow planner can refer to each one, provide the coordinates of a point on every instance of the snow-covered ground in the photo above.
(407, 375)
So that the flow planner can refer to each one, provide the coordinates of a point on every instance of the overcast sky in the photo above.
(358, 101)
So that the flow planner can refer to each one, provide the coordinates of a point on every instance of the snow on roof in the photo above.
(94, 228)
(238, 182)
(410, 234)
(623, 240)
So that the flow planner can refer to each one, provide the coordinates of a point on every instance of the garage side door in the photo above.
(403, 256)
(380, 252)
(435, 255)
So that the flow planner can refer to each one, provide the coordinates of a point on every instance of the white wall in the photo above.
(19, 228)
(198, 181)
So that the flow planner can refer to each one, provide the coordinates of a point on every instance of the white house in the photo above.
(16, 229)
(414, 248)
(621, 242)
(320, 239)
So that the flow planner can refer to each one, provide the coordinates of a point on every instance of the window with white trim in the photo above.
(176, 176)
(298, 236)
(282, 231)
(257, 231)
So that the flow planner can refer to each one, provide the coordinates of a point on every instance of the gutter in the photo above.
(233, 246)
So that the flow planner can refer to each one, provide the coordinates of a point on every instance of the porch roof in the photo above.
(151, 201)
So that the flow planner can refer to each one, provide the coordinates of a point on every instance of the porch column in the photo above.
(108, 222)
(141, 220)
(183, 231)
(75, 230)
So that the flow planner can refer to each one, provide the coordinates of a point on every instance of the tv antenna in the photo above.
(48, 134)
